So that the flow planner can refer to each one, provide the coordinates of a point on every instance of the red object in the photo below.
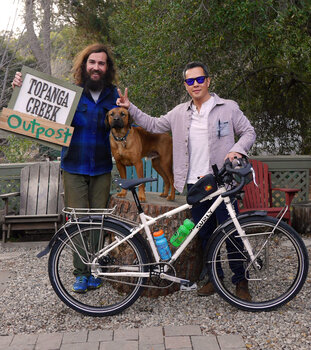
(260, 198)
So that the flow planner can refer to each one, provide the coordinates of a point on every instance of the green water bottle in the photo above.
(182, 232)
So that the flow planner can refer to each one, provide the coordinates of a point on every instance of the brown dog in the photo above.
(130, 144)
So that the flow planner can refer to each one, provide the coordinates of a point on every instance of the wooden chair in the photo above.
(260, 198)
(41, 201)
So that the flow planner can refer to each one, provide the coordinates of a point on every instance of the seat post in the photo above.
(137, 201)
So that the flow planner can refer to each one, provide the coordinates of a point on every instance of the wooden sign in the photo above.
(35, 127)
(51, 101)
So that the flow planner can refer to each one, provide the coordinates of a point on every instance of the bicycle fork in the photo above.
(241, 233)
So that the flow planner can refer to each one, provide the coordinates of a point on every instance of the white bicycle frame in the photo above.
(147, 221)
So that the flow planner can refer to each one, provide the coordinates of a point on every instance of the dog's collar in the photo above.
(123, 138)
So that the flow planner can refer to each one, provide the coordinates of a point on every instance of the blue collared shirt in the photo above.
(89, 151)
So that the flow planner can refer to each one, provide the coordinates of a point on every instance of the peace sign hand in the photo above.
(123, 100)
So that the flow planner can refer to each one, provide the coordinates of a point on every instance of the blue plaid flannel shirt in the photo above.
(89, 151)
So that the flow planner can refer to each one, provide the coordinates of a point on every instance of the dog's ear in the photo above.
(130, 120)
(107, 125)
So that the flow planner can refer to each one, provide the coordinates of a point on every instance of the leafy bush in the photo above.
(18, 149)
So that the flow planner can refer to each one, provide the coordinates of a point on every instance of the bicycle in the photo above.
(273, 255)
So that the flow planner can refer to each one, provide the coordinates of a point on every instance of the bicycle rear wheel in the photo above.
(281, 259)
(115, 294)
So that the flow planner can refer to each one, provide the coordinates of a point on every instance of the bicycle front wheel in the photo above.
(274, 277)
(77, 247)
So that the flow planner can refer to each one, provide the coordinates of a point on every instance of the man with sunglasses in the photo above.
(204, 132)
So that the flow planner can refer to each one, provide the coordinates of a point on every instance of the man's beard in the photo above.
(95, 85)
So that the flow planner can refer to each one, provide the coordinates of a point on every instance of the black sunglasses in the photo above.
(200, 80)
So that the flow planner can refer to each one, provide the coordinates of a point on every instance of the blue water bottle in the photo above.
(162, 245)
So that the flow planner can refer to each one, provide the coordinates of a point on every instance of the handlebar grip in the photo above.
(235, 190)
(225, 167)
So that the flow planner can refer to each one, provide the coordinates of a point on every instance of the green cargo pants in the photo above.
(83, 191)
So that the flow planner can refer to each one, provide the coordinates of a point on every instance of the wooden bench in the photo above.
(41, 201)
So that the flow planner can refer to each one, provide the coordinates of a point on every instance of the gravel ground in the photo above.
(29, 305)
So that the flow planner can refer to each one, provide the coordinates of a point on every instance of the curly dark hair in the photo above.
(79, 64)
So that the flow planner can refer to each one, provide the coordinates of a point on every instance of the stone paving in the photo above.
(153, 338)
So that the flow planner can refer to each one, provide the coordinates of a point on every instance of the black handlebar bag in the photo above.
(202, 188)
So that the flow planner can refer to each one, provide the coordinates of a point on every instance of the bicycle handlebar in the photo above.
(235, 190)
(242, 169)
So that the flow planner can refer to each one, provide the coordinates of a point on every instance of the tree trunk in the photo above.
(43, 56)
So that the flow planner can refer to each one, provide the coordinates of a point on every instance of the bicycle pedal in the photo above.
(188, 287)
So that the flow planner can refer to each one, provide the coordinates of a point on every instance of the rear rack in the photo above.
(88, 211)
(75, 213)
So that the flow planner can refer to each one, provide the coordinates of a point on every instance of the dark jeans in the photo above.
(219, 216)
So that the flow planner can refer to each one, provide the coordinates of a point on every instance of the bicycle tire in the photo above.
(113, 296)
(282, 256)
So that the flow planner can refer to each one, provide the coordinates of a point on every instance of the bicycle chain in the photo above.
(154, 276)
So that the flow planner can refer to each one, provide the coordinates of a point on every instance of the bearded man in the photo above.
(87, 163)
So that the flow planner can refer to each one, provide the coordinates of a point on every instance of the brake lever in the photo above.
(254, 177)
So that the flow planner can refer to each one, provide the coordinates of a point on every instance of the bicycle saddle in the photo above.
(128, 184)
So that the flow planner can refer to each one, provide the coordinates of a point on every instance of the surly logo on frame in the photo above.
(204, 219)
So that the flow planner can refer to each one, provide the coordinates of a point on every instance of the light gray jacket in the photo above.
(224, 122)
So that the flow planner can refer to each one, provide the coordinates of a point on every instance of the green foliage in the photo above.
(17, 149)
(151, 49)
(48, 152)
(258, 53)
(90, 18)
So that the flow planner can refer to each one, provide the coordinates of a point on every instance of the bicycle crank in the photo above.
(174, 279)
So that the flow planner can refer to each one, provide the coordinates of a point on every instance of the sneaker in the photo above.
(80, 286)
(94, 283)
